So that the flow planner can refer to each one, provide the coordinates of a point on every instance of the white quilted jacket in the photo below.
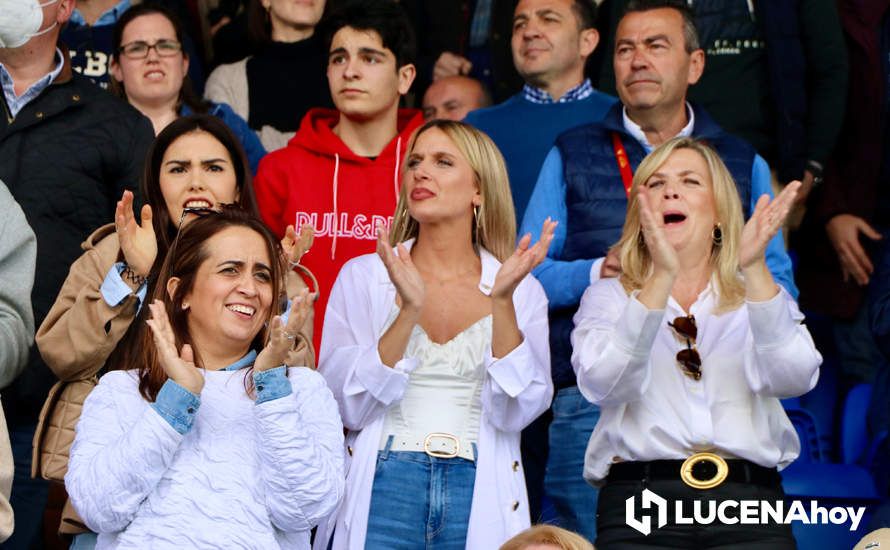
(244, 476)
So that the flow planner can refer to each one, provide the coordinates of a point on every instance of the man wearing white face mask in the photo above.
(68, 150)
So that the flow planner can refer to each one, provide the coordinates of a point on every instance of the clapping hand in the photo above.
(664, 257)
(283, 335)
(402, 271)
(522, 261)
(137, 240)
(294, 246)
(179, 366)
(768, 217)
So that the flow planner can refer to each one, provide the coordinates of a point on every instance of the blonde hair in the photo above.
(636, 264)
(548, 534)
(496, 229)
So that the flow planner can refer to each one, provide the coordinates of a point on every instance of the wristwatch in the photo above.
(815, 168)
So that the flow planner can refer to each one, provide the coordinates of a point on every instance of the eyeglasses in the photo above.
(139, 49)
(689, 357)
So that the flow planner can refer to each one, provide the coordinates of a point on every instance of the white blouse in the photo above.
(624, 356)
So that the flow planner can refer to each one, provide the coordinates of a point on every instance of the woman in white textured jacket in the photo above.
(205, 443)
(437, 354)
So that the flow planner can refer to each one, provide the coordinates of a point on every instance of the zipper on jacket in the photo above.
(9, 118)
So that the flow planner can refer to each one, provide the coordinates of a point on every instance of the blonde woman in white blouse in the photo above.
(437, 353)
(688, 354)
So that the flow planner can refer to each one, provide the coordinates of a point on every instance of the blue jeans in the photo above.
(28, 498)
(413, 489)
(573, 498)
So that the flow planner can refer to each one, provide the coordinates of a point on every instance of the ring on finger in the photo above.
(288, 335)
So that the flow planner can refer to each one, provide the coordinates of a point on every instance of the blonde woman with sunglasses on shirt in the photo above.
(688, 353)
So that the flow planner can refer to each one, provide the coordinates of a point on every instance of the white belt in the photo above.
(437, 444)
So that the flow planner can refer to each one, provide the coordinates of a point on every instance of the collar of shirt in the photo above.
(243, 362)
(17, 102)
(490, 267)
(110, 17)
(637, 133)
(537, 95)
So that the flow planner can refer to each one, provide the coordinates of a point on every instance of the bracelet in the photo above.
(132, 276)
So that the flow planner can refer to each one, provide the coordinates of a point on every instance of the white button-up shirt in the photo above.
(625, 360)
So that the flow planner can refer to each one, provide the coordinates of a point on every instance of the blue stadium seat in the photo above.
(812, 477)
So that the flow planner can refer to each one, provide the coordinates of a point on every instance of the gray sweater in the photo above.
(18, 253)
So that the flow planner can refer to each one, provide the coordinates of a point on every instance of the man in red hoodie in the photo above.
(341, 171)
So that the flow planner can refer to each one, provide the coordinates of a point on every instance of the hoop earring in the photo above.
(717, 235)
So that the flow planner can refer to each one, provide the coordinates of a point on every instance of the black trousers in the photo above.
(613, 532)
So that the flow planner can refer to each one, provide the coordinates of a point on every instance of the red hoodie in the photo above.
(319, 180)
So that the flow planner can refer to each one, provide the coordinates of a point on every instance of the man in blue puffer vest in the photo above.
(657, 57)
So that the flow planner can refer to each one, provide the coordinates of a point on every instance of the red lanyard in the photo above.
(627, 175)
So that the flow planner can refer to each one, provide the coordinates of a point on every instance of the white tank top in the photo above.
(444, 391)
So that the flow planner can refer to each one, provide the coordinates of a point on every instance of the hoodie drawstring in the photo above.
(395, 187)
(395, 174)
(336, 214)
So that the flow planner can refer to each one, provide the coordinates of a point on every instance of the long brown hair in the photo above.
(164, 226)
(126, 353)
(186, 256)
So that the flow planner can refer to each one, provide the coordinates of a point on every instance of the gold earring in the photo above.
(717, 235)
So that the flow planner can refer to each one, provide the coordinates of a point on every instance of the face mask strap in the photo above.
(51, 27)
(46, 30)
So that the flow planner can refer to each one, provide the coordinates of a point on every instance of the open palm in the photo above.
(138, 242)
(768, 217)
(402, 271)
(522, 261)
(283, 335)
(661, 251)
(178, 365)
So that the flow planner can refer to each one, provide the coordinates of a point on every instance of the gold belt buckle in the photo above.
(718, 478)
(427, 442)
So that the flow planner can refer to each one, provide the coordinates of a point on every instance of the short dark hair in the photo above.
(385, 17)
(187, 94)
(585, 12)
(690, 34)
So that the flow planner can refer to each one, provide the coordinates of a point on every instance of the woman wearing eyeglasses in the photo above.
(688, 353)
(436, 350)
(149, 70)
(195, 164)
(207, 439)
